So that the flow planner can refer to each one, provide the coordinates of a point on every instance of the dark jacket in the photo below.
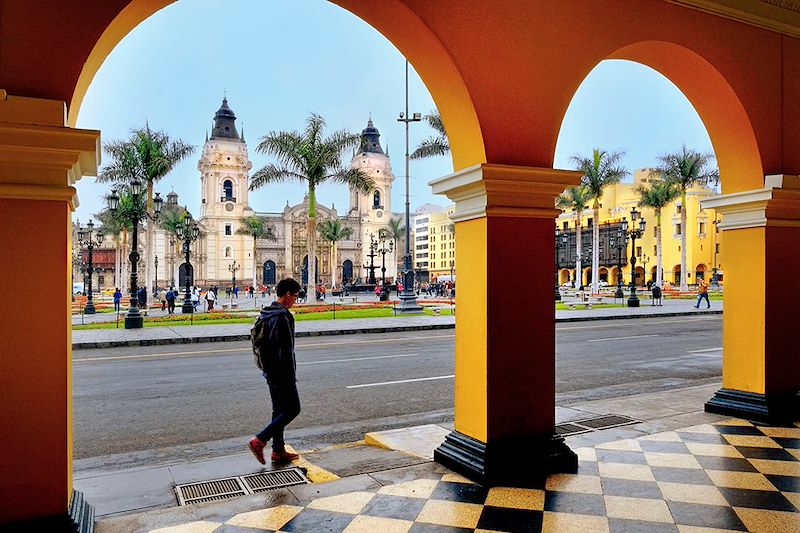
(273, 343)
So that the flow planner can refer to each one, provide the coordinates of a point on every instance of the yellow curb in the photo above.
(374, 439)
(314, 473)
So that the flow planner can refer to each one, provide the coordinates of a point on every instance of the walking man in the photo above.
(702, 292)
(273, 347)
(170, 298)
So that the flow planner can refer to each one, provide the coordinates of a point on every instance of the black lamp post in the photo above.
(133, 318)
(384, 249)
(187, 231)
(714, 274)
(620, 241)
(155, 263)
(373, 247)
(232, 268)
(561, 241)
(171, 261)
(635, 233)
(89, 240)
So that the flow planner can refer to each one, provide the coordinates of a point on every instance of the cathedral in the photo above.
(224, 168)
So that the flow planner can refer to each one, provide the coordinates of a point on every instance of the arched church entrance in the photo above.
(347, 271)
(185, 275)
(269, 272)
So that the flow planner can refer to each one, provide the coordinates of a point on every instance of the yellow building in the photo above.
(442, 245)
(701, 238)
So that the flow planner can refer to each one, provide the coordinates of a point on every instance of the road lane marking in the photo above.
(622, 338)
(357, 359)
(683, 320)
(706, 350)
(450, 376)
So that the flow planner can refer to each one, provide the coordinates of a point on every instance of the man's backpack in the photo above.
(258, 337)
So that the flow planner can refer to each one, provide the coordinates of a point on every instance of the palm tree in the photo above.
(257, 228)
(684, 169)
(575, 198)
(333, 230)
(599, 171)
(113, 227)
(396, 230)
(655, 196)
(310, 157)
(433, 146)
(146, 156)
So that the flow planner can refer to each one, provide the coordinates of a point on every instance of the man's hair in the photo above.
(287, 285)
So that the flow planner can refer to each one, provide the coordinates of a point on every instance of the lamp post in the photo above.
(620, 241)
(384, 249)
(187, 232)
(408, 298)
(232, 268)
(373, 247)
(89, 240)
(635, 233)
(171, 262)
(645, 259)
(714, 274)
(561, 241)
(133, 318)
(155, 264)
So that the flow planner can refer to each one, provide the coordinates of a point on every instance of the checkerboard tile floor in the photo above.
(728, 476)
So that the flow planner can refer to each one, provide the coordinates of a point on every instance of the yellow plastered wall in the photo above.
(744, 330)
(470, 385)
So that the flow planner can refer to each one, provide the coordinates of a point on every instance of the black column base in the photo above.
(187, 307)
(633, 302)
(79, 518)
(521, 463)
(770, 408)
(89, 308)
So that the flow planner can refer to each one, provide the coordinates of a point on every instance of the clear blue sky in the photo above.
(279, 61)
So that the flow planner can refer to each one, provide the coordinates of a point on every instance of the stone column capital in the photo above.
(776, 204)
(504, 190)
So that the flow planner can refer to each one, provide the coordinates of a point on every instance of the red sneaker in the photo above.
(257, 447)
(284, 457)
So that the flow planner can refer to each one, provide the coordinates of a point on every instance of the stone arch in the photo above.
(676, 274)
(269, 272)
(700, 272)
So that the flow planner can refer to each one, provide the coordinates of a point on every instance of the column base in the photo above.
(79, 518)
(519, 463)
(633, 302)
(89, 308)
(772, 408)
(408, 304)
(187, 307)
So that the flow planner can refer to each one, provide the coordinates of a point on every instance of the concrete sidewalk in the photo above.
(110, 338)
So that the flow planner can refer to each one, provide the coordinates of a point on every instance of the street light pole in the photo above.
(714, 274)
(155, 263)
(633, 299)
(383, 250)
(408, 298)
(561, 240)
(373, 246)
(188, 231)
(232, 268)
(620, 242)
(89, 240)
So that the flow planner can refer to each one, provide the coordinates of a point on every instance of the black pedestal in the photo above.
(522, 462)
(772, 408)
(79, 518)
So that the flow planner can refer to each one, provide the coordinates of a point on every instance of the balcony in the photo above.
(227, 199)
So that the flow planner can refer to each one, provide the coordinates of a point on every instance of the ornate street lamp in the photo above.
(714, 273)
(408, 298)
(187, 231)
(619, 240)
(561, 241)
(89, 240)
(155, 263)
(373, 252)
(635, 232)
(384, 249)
(232, 268)
(133, 318)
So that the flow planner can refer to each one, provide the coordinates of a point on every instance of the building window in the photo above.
(655, 250)
(227, 251)
(421, 238)
(655, 231)
(638, 251)
(678, 209)
(421, 221)
(565, 226)
(677, 229)
(228, 229)
(701, 228)
(227, 190)
(101, 280)
(376, 200)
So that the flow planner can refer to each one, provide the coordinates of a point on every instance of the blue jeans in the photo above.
(700, 298)
(285, 407)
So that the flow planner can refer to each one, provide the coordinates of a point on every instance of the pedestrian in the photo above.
(142, 296)
(170, 299)
(273, 347)
(117, 298)
(162, 296)
(211, 297)
(702, 293)
(656, 295)
(236, 292)
(252, 291)
(195, 298)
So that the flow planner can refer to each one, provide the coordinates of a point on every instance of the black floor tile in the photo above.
(517, 520)
(775, 454)
(228, 528)
(705, 438)
(433, 528)
(739, 430)
(713, 516)
(785, 483)
(787, 442)
(663, 447)
(621, 525)
(732, 464)
(757, 499)
(621, 456)
(459, 492)
(588, 468)
(631, 489)
(399, 507)
(318, 521)
(681, 475)
(573, 502)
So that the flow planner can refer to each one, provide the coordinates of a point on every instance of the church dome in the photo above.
(370, 139)
(224, 123)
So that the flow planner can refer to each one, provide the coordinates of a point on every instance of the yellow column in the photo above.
(760, 369)
(40, 159)
(505, 323)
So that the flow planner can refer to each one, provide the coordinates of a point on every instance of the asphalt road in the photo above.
(170, 402)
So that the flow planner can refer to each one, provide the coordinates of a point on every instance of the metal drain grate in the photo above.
(221, 489)
(207, 491)
(274, 480)
(607, 421)
(566, 430)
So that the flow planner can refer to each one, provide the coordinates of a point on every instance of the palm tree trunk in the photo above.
(596, 247)
(334, 253)
(117, 265)
(684, 271)
(312, 238)
(578, 272)
(659, 260)
(255, 263)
